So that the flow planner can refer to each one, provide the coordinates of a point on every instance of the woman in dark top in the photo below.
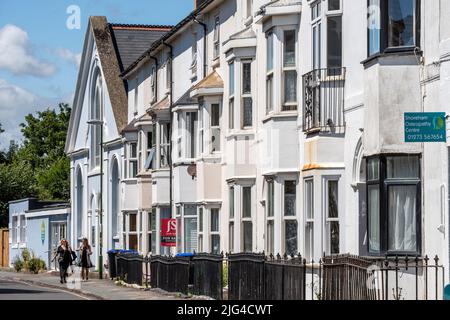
(64, 255)
(85, 254)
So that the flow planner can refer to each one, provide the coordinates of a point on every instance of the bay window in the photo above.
(309, 219)
(151, 231)
(191, 139)
(132, 160)
(231, 217)
(332, 217)
(247, 100)
(231, 96)
(179, 240)
(289, 71)
(269, 72)
(270, 206)
(215, 127)
(200, 229)
(393, 204)
(393, 25)
(190, 228)
(290, 220)
(164, 136)
(215, 231)
(247, 225)
(201, 127)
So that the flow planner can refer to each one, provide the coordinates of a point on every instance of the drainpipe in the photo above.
(171, 122)
(205, 66)
(156, 76)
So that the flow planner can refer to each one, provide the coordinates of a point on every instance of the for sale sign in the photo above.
(168, 232)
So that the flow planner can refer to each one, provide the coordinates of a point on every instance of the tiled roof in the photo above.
(130, 127)
(213, 80)
(201, 6)
(131, 41)
(161, 105)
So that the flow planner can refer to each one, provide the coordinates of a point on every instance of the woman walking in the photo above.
(86, 264)
(64, 254)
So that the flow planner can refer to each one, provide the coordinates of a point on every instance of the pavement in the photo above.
(12, 283)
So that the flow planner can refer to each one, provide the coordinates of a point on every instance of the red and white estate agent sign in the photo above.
(168, 232)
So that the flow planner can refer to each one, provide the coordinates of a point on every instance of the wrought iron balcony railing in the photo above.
(323, 101)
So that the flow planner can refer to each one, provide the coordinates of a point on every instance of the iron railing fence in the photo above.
(407, 278)
(253, 276)
(323, 101)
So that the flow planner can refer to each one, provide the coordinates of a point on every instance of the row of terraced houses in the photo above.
(260, 125)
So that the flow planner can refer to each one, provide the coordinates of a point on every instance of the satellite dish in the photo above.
(192, 170)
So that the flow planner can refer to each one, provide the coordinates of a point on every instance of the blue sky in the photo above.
(39, 55)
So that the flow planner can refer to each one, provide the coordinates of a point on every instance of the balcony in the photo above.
(323, 101)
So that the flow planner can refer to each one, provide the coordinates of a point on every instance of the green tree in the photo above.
(39, 167)
(16, 181)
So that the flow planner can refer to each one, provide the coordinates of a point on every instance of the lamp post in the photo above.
(100, 221)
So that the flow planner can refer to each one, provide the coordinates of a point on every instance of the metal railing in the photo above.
(323, 101)
(253, 276)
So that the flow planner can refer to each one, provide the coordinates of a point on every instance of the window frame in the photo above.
(384, 26)
(216, 37)
(384, 183)
(214, 233)
(309, 218)
(246, 95)
(132, 159)
(270, 43)
(289, 105)
(327, 219)
(270, 216)
(289, 218)
(246, 219)
(216, 127)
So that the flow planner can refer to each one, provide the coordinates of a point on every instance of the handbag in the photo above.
(74, 256)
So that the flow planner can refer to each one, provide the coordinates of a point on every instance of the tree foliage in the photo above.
(39, 167)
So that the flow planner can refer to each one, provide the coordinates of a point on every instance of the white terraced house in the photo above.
(277, 126)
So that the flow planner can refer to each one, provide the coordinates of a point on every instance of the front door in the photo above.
(58, 232)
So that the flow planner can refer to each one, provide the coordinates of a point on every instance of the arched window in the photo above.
(96, 112)
(115, 198)
(79, 210)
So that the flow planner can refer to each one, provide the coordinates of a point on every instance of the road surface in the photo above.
(17, 290)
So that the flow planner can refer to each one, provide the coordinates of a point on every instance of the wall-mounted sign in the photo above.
(43, 232)
(168, 232)
(425, 127)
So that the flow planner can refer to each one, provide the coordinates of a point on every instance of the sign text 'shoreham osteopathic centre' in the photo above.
(425, 127)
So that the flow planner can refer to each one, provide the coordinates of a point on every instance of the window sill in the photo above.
(280, 115)
(389, 52)
(240, 133)
(215, 63)
(248, 21)
(94, 172)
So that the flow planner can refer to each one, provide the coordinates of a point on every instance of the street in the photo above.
(17, 290)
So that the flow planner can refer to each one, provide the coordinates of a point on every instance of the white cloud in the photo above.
(70, 56)
(15, 104)
(16, 55)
